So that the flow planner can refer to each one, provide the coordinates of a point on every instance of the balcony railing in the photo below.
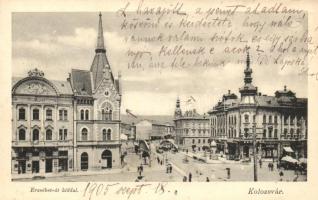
(99, 142)
(47, 143)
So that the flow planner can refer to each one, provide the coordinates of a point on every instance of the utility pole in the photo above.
(254, 152)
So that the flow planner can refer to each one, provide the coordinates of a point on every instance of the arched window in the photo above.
(107, 112)
(35, 135)
(104, 135)
(84, 161)
(84, 134)
(22, 134)
(36, 114)
(48, 134)
(22, 114)
(109, 134)
(246, 117)
(86, 115)
(82, 114)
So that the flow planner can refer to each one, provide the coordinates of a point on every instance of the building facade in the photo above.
(67, 125)
(279, 122)
(191, 129)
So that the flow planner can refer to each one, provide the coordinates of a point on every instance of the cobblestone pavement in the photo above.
(199, 170)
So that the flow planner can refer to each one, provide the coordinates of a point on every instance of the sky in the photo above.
(59, 42)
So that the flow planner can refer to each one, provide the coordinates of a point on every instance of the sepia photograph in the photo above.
(159, 95)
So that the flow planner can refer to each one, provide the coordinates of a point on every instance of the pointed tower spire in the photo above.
(248, 71)
(100, 67)
(100, 38)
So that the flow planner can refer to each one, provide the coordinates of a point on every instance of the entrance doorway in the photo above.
(35, 166)
(84, 161)
(106, 159)
(21, 166)
(246, 151)
(48, 165)
(62, 164)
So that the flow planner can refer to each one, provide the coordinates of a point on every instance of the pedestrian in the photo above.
(158, 160)
(190, 177)
(161, 162)
(207, 179)
(260, 163)
(269, 166)
(184, 179)
(141, 168)
(167, 169)
(170, 168)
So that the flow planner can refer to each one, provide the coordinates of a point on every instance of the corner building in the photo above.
(280, 122)
(67, 125)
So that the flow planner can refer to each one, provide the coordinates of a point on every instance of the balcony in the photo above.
(37, 143)
(98, 142)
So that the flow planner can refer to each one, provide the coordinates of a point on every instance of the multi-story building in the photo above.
(67, 125)
(153, 130)
(191, 129)
(279, 122)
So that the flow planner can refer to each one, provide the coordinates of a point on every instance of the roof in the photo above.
(156, 119)
(63, 87)
(81, 82)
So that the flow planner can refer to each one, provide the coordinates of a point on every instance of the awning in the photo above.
(288, 149)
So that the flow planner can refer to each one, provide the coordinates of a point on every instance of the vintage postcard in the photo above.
(165, 100)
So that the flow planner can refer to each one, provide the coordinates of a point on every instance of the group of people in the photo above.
(185, 178)
(159, 161)
(169, 169)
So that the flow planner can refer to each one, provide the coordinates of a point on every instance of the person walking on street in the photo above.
(170, 169)
(281, 174)
(190, 177)
(207, 179)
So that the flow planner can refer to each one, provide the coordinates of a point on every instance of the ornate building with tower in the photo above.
(279, 122)
(67, 125)
(191, 129)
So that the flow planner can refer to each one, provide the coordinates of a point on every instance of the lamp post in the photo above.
(254, 152)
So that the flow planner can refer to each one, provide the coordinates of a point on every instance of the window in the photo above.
(62, 134)
(21, 134)
(275, 133)
(246, 117)
(21, 114)
(285, 133)
(36, 114)
(286, 119)
(35, 135)
(275, 119)
(199, 141)
(291, 132)
(84, 134)
(193, 141)
(270, 133)
(203, 141)
(48, 134)
(82, 114)
(109, 134)
(254, 117)
(63, 114)
(264, 119)
(264, 133)
(86, 115)
(107, 112)
(270, 119)
(48, 114)
(104, 135)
